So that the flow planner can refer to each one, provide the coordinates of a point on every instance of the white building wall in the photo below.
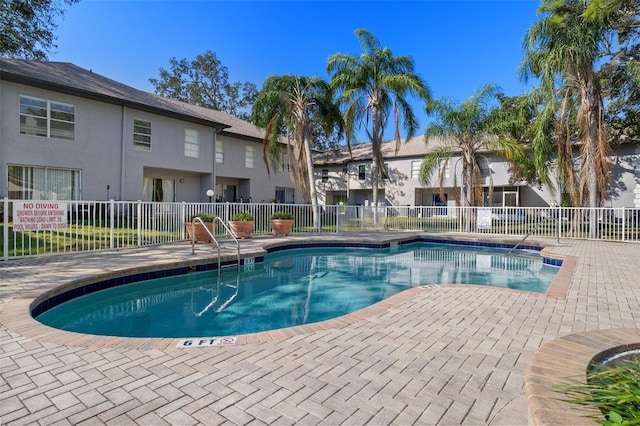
(104, 153)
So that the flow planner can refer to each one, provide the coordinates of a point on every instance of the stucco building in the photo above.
(345, 177)
(69, 133)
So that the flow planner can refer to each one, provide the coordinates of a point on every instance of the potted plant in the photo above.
(241, 224)
(281, 223)
(197, 231)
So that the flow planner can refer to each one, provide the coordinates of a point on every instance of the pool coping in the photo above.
(16, 314)
(567, 360)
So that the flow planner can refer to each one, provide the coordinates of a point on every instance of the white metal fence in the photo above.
(74, 226)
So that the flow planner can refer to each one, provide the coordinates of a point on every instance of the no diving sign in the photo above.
(206, 341)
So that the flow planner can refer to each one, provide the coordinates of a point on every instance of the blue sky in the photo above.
(458, 46)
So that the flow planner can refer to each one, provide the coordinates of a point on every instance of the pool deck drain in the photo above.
(448, 354)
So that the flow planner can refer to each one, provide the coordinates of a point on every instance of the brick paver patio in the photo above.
(449, 354)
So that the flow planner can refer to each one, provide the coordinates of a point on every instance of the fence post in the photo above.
(139, 220)
(183, 219)
(559, 221)
(624, 221)
(5, 229)
(112, 224)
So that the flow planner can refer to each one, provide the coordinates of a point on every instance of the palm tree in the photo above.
(561, 50)
(469, 130)
(373, 87)
(288, 105)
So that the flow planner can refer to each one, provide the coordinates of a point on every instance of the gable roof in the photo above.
(414, 147)
(71, 79)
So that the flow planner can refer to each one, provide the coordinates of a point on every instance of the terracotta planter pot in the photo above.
(241, 229)
(281, 227)
(201, 235)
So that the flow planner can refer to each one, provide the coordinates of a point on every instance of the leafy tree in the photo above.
(374, 87)
(205, 82)
(513, 120)
(27, 26)
(291, 105)
(620, 75)
(561, 50)
(471, 127)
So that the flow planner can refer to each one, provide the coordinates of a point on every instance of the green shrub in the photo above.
(614, 391)
(282, 215)
(243, 216)
(205, 217)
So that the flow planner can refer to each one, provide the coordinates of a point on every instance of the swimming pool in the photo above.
(291, 287)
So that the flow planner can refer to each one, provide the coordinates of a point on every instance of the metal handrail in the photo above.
(213, 238)
(532, 230)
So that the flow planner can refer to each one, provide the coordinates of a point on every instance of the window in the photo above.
(385, 174)
(444, 164)
(362, 169)
(325, 175)
(49, 119)
(142, 134)
(284, 163)
(191, 143)
(285, 195)
(415, 169)
(43, 183)
(219, 152)
(249, 157)
(158, 189)
(485, 168)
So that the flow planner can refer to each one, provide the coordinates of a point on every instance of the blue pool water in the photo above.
(289, 288)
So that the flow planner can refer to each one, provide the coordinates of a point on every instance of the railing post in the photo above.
(183, 219)
(624, 221)
(319, 228)
(5, 229)
(111, 224)
(139, 220)
(559, 222)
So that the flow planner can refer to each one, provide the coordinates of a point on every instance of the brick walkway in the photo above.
(447, 354)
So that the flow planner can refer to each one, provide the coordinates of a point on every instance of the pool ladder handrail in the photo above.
(546, 219)
(213, 238)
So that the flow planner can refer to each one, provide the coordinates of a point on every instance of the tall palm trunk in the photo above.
(313, 193)
(594, 151)
(376, 144)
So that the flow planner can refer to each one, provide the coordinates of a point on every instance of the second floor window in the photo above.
(248, 157)
(325, 175)
(362, 172)
(191, 143)
(219, 152)
(444, 164)
(142, 134)
(49, 119)
(415, 169)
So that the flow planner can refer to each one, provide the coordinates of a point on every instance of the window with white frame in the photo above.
(249, 153)
(191, 143)
(386, 174)
(485, 167)
(142, 134)
(43, 183)
(284, 163)
(219, 152)
(416, 165)
(362, 171)
(50, 119)
(325, 175)
(159, 190)
(285, 195)
(444, 164)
